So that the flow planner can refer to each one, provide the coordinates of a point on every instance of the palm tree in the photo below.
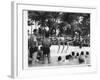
(33, 17)
(38, 17)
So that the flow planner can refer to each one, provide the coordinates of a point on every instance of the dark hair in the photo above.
(73, 53)
(59, 58)
(77, 54)
(82, 53)
(35, 30)
(87, 53)
(68, 57)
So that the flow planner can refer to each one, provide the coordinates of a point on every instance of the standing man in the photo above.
(78, 39)
(46, 47)
(33, 46)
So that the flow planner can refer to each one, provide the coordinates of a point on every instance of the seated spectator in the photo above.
(81, 58)
(73, 55)
(87, 57)
(87, 54)
(59, 58)
(77, 54)
(77, 58)
(67, 58)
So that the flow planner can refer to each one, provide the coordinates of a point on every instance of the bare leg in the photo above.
(44, 58)
(67, 47)
(34, 56)
(58, 48)
(63, 47)
(48, 56)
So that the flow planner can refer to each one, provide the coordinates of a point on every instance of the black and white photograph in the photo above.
(58, 38)
(53, 39)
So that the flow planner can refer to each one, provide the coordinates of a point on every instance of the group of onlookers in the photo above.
(38, 53)
(76, 58)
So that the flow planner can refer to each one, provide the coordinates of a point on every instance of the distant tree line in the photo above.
(67, 22)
